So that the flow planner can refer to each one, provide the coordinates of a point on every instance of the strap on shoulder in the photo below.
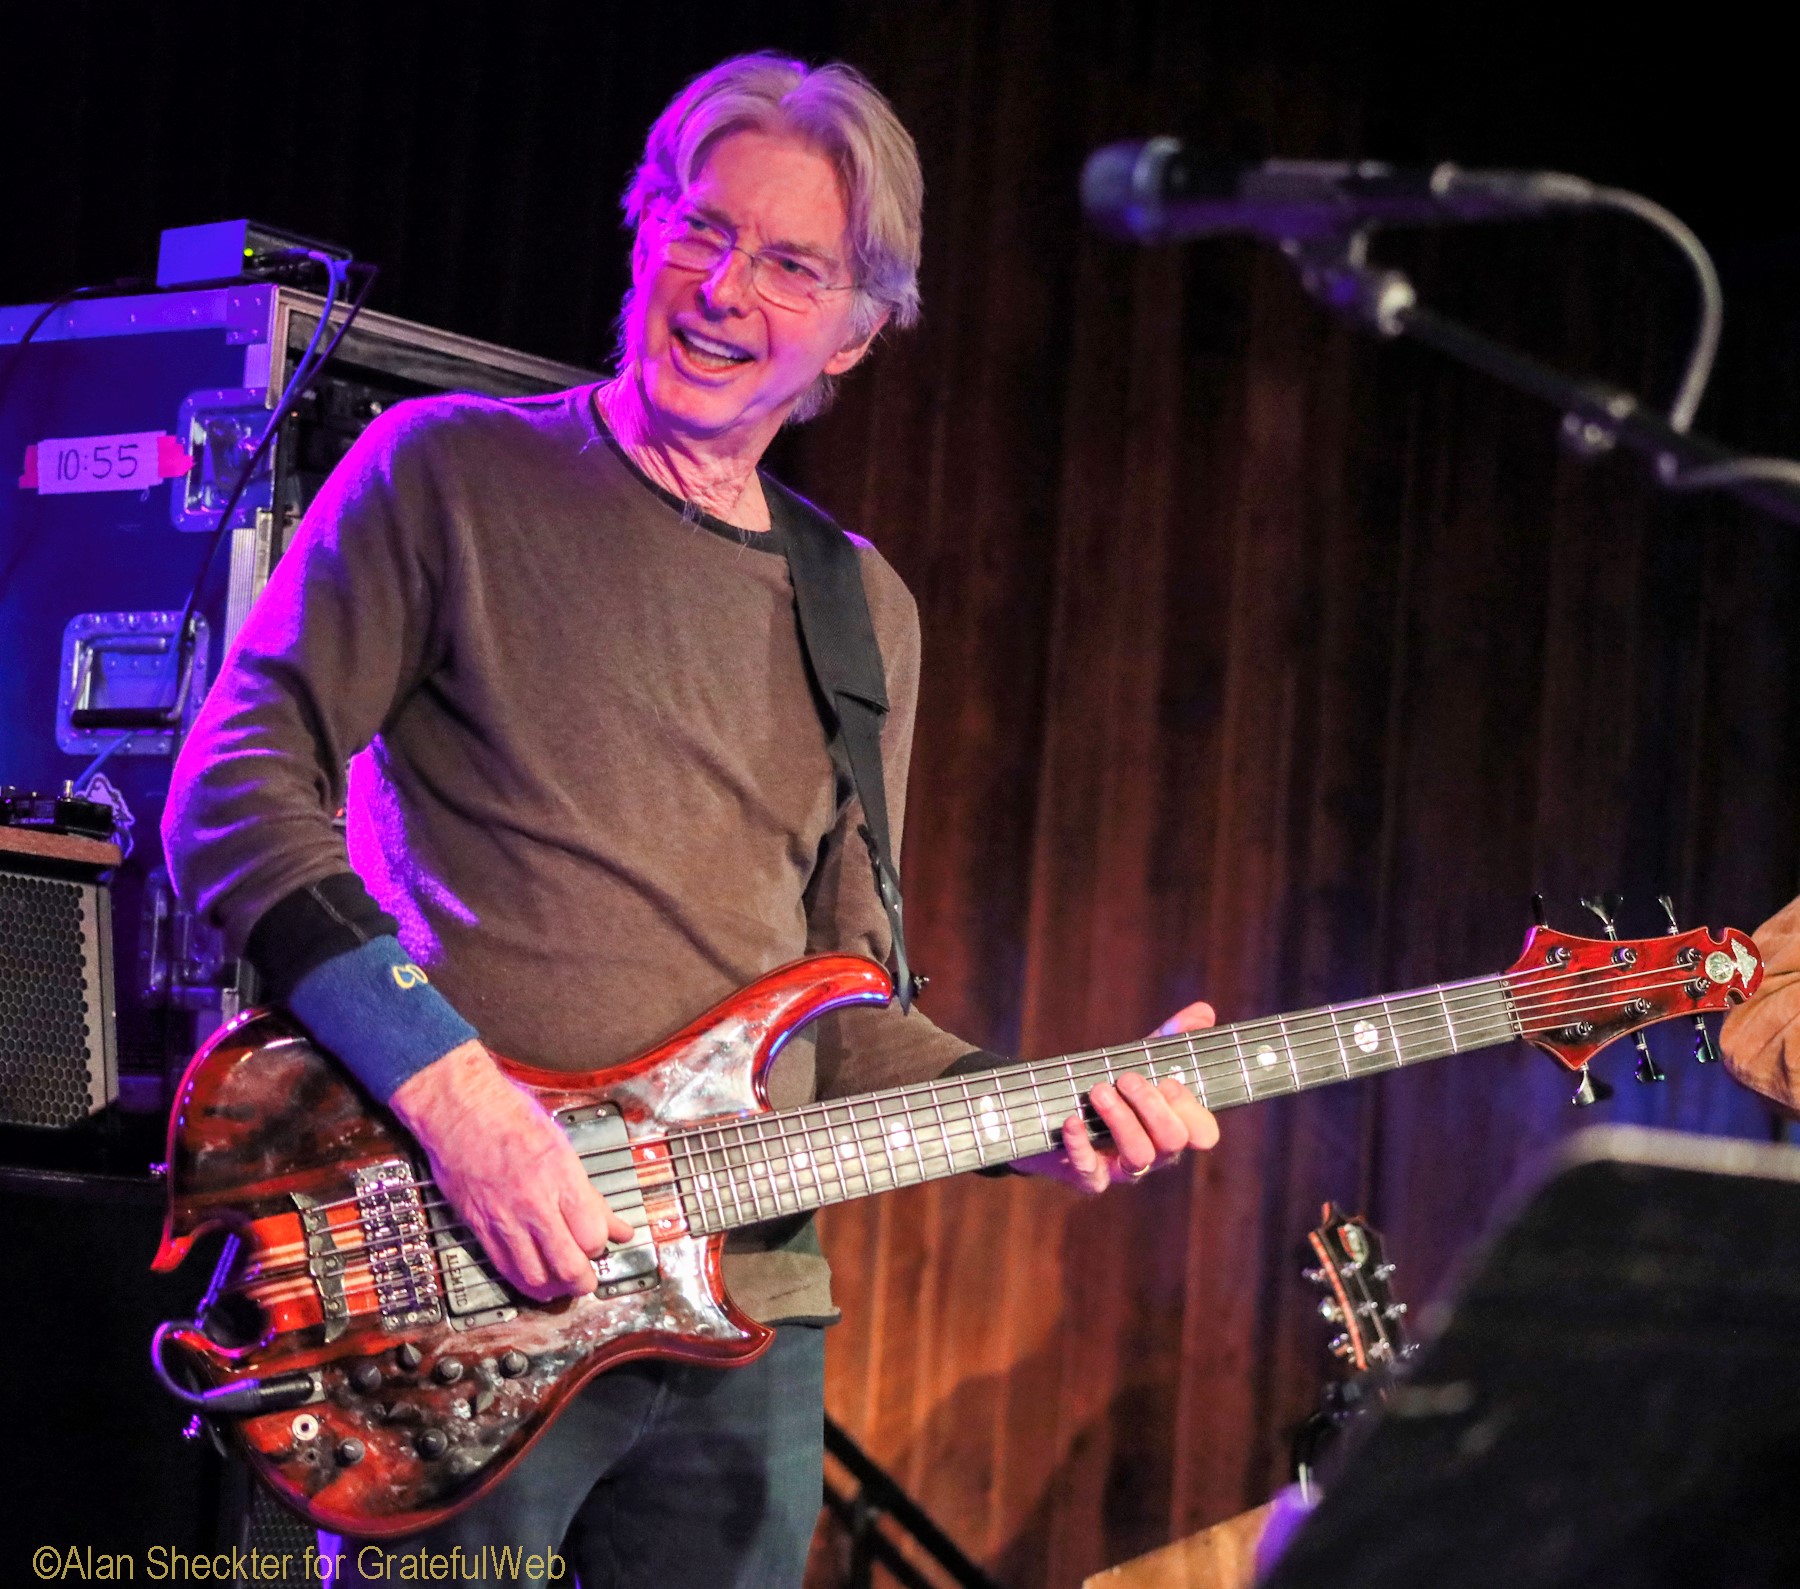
(839, 639)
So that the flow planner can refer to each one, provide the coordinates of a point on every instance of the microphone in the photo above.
(1153, 191)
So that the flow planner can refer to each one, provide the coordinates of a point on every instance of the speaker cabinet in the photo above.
(57, 1058)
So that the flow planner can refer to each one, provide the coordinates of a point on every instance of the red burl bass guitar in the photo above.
(377, 1374)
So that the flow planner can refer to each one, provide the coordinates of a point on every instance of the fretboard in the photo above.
(766, 1166)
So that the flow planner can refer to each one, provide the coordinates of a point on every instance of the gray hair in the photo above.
(843, 114)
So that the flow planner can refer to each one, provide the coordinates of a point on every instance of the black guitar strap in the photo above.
(839, 639)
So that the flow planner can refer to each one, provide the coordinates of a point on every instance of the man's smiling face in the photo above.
(718, 361)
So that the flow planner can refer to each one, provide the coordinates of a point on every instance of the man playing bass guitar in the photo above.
(546, 653)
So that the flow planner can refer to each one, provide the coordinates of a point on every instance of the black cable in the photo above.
(118, 289)
(298, 383)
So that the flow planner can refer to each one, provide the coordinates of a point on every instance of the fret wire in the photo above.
(780, 1169)
(998, 1095)
(861, 1157)
(807, 1117)
(721, 1183)
(1449, 1025)
(937, 1108)
(803, 1161)
(1243, 1060)
(1387, 1010)
(822, 1113)
(910, 1126)
(813, 1122)
(731, 1183)
(1194, 1060)
(688, 1173)
(1037, 1100)
(761, 1175)
(785, 1160)
(1006, 1119)
(887, 1146)
(1287, 1044)
(1337, 1037)
(871, 1115)
(943, 1132)
(822, 1165)
(975, 1129)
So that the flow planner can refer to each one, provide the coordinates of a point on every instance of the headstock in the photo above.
(1572, 996)
(1353, 1272)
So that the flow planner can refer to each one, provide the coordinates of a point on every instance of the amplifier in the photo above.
(57, 1063)
(124, 424)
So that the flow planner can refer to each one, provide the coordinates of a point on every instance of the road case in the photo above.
(124, 422)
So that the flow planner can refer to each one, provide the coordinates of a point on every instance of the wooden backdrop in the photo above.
(1265, 663)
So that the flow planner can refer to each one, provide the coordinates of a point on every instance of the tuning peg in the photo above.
(1590, 1090)
(1339, 1346)
(1704, 1052)
(1317, 1277)
(1606, 907)
(1538, 913)
(1647, 1068)
(1330, 1312)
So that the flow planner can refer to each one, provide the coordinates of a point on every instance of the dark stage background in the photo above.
(1264, 663)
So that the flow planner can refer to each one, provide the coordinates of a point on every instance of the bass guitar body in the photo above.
(409, 1375)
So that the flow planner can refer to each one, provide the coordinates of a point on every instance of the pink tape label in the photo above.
(132, 461)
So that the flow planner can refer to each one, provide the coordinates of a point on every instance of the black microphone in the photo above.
(1153, 190)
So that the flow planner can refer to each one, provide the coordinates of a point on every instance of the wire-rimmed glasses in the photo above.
(784, 278)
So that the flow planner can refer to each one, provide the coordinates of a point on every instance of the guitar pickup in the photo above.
(598, 1134)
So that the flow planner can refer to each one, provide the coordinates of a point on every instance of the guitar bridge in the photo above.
(397, 1239)
(324, 1263)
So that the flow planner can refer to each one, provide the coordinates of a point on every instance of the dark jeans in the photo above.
(658, 1474)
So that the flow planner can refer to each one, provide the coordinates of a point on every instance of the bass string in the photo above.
(1599, 992)
(1024, 1085)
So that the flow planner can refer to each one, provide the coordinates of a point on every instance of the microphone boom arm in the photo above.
(1596, 416)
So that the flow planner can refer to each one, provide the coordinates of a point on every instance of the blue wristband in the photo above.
(375, 1010)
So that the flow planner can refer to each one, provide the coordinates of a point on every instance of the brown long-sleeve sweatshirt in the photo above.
(586, 772)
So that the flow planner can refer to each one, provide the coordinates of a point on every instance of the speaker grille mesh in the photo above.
(56, 1041)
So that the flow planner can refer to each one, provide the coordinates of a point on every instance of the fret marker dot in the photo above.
(847, 1150)
(1367, 1037)
(704, 1183)
(1265, 1055)
(899, 1136)
(990, 1120)
(801, 1161)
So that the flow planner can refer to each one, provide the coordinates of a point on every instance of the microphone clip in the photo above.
(1335, 270)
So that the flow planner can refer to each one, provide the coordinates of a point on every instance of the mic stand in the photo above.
(1596, 417)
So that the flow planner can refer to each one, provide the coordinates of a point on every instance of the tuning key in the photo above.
(1647, 1068)
(1538, 913)
(1317, 1277)
(1606, 907)
(1704, 1052)
(1590, 1089)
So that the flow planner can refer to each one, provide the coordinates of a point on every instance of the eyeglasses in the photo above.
(787, 280)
